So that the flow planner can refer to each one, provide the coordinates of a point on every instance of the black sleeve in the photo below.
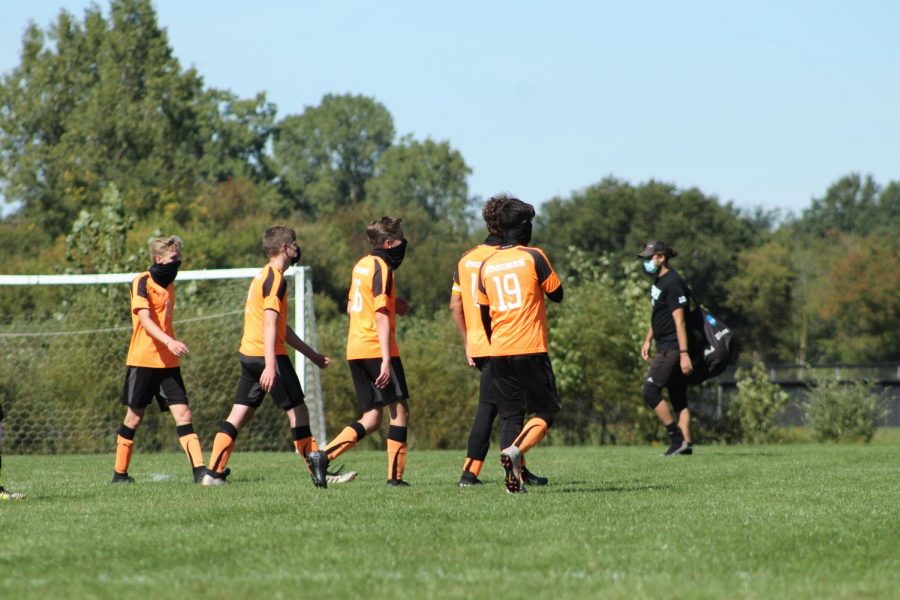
(556, 295)
(677, 296)
(486, 320)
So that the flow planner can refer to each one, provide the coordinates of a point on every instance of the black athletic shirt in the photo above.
(668, 293)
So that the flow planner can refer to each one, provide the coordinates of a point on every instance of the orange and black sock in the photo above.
(472, 466)
(190, 443)
(304, 442)
(396, 450)
(223, 445)
(124, 447)
(348, 438)
(532, 433)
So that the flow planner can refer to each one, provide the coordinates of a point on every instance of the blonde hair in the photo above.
(161, 245)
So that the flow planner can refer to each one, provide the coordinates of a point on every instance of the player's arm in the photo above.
(546, 276)
(486, 320)
(155, 331)
(645, 347)
(556, 295)
(383, 328)
(294, 341)
(270, 322)
(459, 317)
(681, 332)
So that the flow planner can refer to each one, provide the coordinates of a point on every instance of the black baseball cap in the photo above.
(654, 247)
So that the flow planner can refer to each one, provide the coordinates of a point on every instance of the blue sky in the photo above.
(762, 103)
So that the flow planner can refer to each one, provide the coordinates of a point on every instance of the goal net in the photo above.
(64, 338)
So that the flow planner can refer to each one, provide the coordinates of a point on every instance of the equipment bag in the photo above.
(711, 344)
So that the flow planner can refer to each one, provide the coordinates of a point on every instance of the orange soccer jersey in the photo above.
(465, 283)
(371, 290)
(144, 350)
(512, 281)
(268, 291)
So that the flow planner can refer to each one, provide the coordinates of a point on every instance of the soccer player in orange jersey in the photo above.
(372, 353)
(265, 365)
(510, 289)
(467, 316)
(153, 363)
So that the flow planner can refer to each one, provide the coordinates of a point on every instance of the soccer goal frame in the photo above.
(304, 317)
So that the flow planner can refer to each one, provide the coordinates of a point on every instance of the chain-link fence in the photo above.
(63, 367)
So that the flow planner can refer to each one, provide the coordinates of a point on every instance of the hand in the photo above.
(645, 351)
(470, 360)
(267, 379)
(401, 306)
(321, 361)
(384, 377)
(177, 348)
(686, 367)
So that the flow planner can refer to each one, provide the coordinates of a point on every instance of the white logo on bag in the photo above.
(721, 334)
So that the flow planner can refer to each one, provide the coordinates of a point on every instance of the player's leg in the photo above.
(247, 399)
(172, 390)
(678, 396)
(480, 435)
(508, 392)
(5, 494)
(396, 396)
(141, 384)
(660, 371)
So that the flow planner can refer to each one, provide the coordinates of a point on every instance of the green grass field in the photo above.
(793, 521)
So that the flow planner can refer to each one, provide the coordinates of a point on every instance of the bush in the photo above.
(840, 411)
(758, 404)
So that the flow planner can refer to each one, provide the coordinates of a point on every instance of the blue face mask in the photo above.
(650, 266)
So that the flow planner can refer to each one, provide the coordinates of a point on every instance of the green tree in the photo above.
(105, 101)
(854, 204)
(324, 156)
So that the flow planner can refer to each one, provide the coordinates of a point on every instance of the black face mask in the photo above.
(493, 240)
(165, 274)
(392, 256)
(518, 234)
(296, 259)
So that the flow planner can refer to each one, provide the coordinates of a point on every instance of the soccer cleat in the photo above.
(338, 476)
(397, 483)
(510, 460)
(687, 451)
(122, 478)
(199, 473)
(318, 468)
(212, 479)
(531, 479)
(677, 445)
(468, 480)
(7, 495)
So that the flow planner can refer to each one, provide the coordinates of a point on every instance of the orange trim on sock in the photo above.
(532, 433)
(124, 448)
(223, 444)
(190, 443)
(396, 459)
(473, 466)
(343, 442)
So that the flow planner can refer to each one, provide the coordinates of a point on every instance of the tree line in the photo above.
(105, 140)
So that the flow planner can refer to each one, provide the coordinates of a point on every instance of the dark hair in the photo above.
(513, 212)
(384, 229)
(275, 236)
(489, 213)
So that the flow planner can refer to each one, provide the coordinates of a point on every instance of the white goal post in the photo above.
(304, 321)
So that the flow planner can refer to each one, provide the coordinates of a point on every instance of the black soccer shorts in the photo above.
(524, 384)
(665, 372)
(365, 371)
(286, 391)
(143, 383)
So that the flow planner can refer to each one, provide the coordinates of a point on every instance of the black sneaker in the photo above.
(531, 479)
(397, 483)
(318, 468)
(199, 472)
(469, 479)
(122, 478)
(687, 451)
